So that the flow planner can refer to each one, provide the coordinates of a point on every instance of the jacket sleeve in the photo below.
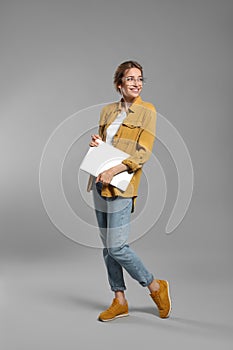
(144, 144)
(102, 122)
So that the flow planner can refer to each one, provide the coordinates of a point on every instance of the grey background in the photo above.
(58, 57)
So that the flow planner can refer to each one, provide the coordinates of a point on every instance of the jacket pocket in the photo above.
(131, 130)
(132, 124)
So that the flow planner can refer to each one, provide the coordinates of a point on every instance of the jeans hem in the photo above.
(147, 284)
(116, 289)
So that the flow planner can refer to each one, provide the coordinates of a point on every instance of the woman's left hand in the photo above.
(105, 177)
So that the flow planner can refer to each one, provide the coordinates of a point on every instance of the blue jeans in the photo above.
(113, 217)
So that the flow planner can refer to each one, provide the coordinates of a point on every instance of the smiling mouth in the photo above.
(135, 90)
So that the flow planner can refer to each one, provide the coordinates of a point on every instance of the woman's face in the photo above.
(131, 85)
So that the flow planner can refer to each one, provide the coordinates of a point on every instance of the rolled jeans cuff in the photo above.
(146, 284)
(116, 289)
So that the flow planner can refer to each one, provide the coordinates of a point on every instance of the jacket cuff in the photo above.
(132, 165)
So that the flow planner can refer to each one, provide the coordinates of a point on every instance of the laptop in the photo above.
(103, 157)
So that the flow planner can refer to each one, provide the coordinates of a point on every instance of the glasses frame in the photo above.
(140, 80)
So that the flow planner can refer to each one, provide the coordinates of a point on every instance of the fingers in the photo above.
(98, 178)
(105, 177)
(94, 140)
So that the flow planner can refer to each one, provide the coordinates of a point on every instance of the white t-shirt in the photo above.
(113, 128)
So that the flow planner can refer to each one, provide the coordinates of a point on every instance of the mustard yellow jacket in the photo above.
(135, 136)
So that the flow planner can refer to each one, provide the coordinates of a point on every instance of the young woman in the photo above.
(130, 126)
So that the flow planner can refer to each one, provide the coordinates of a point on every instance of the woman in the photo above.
(130, 126)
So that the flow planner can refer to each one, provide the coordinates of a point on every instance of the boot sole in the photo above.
(168, 314)
(111, 319)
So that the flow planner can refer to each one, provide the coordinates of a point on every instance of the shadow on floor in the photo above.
(203, 325)
(66, 299)
(146, 310)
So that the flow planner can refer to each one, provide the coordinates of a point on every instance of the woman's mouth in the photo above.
(135, 90)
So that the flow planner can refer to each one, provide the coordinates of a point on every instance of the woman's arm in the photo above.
(106, 176)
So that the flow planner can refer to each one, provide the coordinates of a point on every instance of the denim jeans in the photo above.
(113, 217)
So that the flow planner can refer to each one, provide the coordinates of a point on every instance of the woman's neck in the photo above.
(126, 104)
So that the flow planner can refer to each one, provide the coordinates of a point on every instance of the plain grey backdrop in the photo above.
(58, 57)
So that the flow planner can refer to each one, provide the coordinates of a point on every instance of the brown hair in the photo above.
(120, 71)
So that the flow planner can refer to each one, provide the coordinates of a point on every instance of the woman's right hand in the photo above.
(94, 140)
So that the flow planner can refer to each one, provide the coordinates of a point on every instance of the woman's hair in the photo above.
(120, 71)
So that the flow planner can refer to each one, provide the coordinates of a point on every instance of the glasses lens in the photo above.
(131, 80)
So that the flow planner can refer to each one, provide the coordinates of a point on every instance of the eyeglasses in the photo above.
(132, 80)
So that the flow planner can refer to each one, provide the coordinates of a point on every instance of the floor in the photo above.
(47, 305)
